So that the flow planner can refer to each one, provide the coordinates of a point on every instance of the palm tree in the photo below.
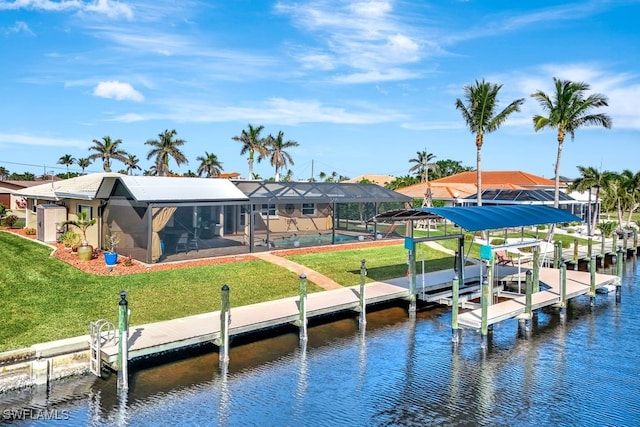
(84, 163)
(589, 179)
(480, 115)
(106, 150)
(279, 157)
(67, 160)
(4, 173)
(422, 165)
(164, 148)
(630, 183)
(289, 176)
(132, 164)
(568, 111)
(209, 164)
(252, 144)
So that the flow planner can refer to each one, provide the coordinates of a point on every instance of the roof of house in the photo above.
(81, 187)
(8, 185)
(161, 189)
(463, 185)
(493, 178)
(375, 179)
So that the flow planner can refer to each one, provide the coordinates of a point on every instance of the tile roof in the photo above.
(493, 178)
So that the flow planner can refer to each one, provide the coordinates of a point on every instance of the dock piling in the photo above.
(225, 319)
(302, 307)
(123, 343)
(455, 331)
(592, 281)
(563, 291)
(363, 304)
(619, 264)
(484, 327)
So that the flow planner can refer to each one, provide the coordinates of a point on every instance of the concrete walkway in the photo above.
(319, 279)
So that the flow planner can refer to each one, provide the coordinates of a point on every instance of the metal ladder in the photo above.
(101, 333)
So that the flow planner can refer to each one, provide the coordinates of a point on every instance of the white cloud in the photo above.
(22, 139)
(273, 111)
(369, 37)
(18, 27)
(110, 8)
(114, 89)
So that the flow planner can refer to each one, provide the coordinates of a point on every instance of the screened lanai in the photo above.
(293, 214)
(173, 218)
(510, 196)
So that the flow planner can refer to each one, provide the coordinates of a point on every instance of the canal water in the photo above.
(584, 371)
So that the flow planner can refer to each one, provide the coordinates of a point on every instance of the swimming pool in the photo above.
(312, 240)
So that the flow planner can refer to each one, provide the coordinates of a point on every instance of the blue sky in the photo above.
(362, 86)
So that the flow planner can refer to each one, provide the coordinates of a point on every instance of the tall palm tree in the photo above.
(589, 179)
(164, 148)
(279, 157)
(132, 163)
(67, 160)
(106, 150)
(84, 163)
(422, 165)
(481, 116)
(567, 112)
(252, 144)
(209, 165)
(631, 185)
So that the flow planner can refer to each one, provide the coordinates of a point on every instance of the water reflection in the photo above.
(399, 371)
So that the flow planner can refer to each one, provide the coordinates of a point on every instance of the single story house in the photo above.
(173, 218)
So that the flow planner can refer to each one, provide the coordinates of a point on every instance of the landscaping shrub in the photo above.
(30, 231)
(10, 220)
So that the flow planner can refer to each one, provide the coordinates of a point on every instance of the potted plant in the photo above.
(110, 254)
(85, 251)
(70, 239)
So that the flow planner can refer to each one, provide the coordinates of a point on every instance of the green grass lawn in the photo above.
(45, 299)
(385, 262)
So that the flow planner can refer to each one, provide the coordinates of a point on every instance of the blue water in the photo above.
(399, 372)
(317, 239)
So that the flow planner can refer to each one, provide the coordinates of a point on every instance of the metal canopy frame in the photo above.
(309, 192)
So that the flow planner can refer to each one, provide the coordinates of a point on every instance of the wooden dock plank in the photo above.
(578, 283)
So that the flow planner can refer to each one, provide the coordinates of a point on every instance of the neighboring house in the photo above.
(7, 187)
(498, 188)
(172, 218)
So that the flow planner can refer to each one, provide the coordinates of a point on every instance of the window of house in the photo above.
(86, 209)
(309, 209)
(268, 210)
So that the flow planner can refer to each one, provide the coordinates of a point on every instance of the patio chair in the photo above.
(193, 243)
(503, 258)
(182, 243)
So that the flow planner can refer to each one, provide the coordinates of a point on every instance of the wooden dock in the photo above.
(578, 283)
(160, 337)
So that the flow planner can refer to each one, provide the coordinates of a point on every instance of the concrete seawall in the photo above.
(40, 364)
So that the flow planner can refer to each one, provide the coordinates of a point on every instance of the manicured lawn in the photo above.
(386, 262)
(45, 299)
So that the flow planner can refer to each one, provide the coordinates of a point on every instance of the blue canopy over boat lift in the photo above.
(470, 218)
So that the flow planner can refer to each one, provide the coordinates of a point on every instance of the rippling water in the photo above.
(400, 372)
